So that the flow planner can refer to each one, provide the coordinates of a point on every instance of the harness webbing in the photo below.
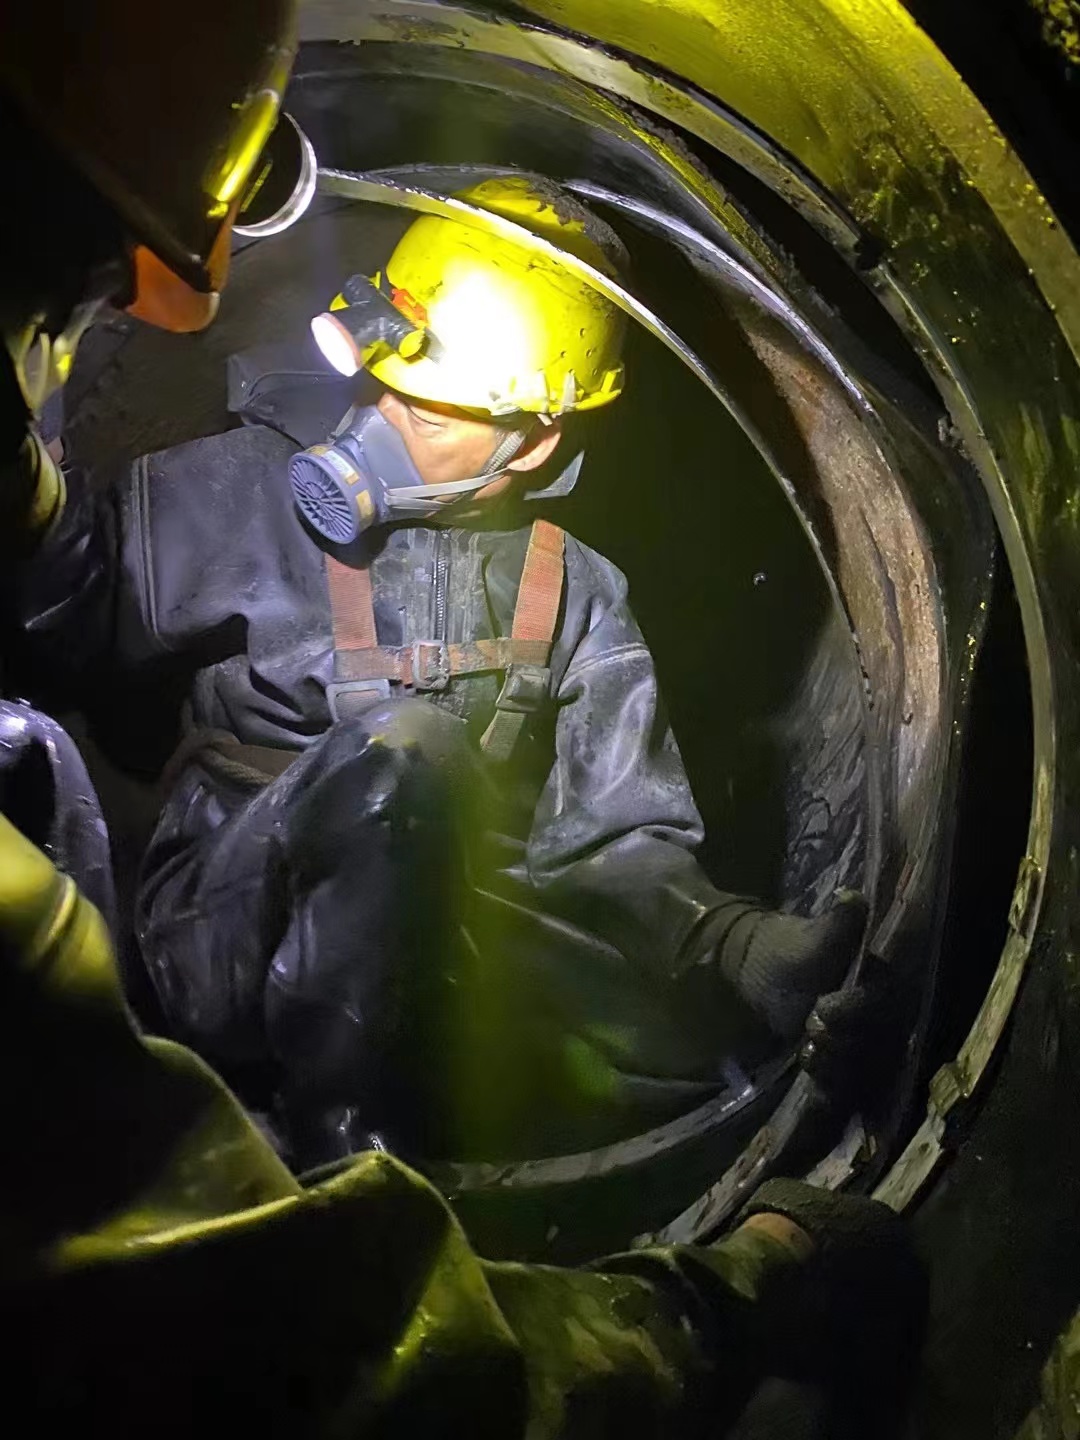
(361, 665)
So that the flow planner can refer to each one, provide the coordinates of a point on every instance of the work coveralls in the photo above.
(394, 927)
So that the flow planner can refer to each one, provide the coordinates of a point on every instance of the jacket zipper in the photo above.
(442, 568)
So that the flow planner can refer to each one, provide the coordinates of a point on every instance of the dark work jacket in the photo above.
(199, 557)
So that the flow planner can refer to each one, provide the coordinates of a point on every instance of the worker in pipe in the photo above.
(426, 867)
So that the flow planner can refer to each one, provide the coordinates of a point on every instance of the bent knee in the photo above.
(408, 723)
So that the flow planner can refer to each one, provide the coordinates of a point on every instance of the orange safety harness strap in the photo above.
(429, 664)
(363, 668)
(536, 614)
(351, 606)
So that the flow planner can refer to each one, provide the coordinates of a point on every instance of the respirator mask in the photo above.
(363, 476)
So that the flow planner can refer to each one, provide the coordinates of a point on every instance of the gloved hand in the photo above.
(780, 963)
(852, 1318)
(855, 1038)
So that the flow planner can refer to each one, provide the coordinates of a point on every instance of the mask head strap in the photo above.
(416, 499)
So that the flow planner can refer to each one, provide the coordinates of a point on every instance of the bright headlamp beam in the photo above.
(337, 345)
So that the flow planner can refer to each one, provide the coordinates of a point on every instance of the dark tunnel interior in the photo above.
(728, 589)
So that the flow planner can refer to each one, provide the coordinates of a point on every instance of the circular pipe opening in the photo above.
(833, 752)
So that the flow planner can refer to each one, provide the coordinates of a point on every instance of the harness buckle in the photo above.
(524, 690)
(430, 665)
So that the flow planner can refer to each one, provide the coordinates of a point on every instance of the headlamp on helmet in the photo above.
(363, 322)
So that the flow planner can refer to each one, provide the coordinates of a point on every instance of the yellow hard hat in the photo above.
(515, 331)
(166, 112)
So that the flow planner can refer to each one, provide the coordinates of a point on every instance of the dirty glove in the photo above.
(854, 1038)
(853, 1321)
(780, 963)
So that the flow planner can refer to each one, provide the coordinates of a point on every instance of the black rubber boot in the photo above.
(780, 963)
(372, 852)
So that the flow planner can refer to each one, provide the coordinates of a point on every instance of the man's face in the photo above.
(447, 444)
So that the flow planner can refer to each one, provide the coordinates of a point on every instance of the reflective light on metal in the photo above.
(283, 184)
